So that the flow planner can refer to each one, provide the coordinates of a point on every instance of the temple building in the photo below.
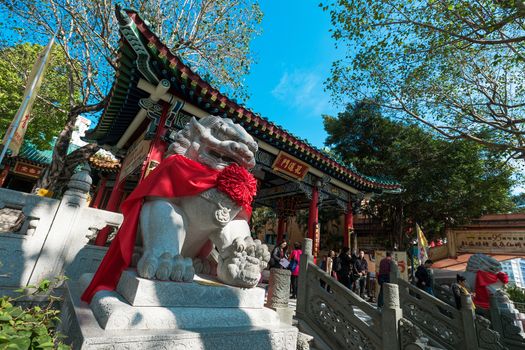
(155, 94)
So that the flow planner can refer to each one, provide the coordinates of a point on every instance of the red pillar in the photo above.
(313, 215)
(313, 222)
(280, 230)
(113, 204)
(100, 192)
(158, 146)
(3, 174)
(349, 224)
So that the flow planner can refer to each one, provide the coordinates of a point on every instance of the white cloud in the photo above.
(303, 90)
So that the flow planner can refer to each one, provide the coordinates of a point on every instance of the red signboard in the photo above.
(27, 169)
(290, 166)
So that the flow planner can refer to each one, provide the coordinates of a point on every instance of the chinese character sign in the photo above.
(490, 242)
(290, 166)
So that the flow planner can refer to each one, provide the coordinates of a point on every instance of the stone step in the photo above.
(113, 312)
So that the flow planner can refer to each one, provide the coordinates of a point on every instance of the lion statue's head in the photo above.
(215, 142)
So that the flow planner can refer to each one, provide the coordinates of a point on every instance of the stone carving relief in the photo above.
(430, 324)
(338, 325)
(487, 338)
(175, 230)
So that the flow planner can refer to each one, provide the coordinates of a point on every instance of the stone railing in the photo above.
(506, 320)
(345, 321)
(442, 323)
(52, 238)
(504, 316)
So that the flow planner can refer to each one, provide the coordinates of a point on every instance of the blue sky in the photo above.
(294, 54)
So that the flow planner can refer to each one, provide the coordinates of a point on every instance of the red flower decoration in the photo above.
(503, 277)
(238, 183)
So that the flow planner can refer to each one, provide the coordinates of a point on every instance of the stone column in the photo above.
(468, 319)
(390, 316)
(279, 293)
(302, 289)
(394, 272)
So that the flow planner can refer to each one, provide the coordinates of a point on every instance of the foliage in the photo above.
(516, 294)
(213, 36)
(454, 65)
(48, 115)
(261, 217)
(443, 181)
(329, 226)
(33, 327)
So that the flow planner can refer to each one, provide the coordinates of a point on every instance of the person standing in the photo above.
(385, 267)
(295, 257)
(424, 277)
(360, 269)
(278, 253)
(346, 268)
(460, 288)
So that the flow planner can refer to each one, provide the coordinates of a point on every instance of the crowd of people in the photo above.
(351, 270)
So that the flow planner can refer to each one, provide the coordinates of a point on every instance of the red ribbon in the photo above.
(484, 279)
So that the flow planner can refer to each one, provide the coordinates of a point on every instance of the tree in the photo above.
(455, 66)
(48, 114)
(212, 36)
(443, 181)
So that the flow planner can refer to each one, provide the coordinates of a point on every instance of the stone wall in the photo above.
(52, 237)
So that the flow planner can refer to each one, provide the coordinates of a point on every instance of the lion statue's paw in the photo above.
(166, 267)
(239, 269)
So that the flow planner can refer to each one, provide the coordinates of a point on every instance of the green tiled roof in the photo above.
(31, 153)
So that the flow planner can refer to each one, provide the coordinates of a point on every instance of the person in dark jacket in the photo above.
(385, 267)
(278, 253)
(346, 267)
(424, 277)
(360, 269)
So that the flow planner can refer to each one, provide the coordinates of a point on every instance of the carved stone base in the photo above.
(169, 327)
(202, 292)
(113, 312)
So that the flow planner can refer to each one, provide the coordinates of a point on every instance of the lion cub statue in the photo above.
(179, 233)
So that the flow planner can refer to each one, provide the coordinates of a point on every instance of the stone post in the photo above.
(394, 272)
(302, 288)
(51, 260)
(279, 293)
(390, 316)
(468, 319)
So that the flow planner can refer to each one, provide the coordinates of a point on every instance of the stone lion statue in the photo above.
(177, 232)
(482, 262)
(198, 199)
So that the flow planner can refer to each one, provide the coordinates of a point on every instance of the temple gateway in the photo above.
(155, 94)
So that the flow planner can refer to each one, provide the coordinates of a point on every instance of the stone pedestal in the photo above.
(145, 314)
(278, 294)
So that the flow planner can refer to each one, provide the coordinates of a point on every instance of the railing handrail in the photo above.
(368, 309)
